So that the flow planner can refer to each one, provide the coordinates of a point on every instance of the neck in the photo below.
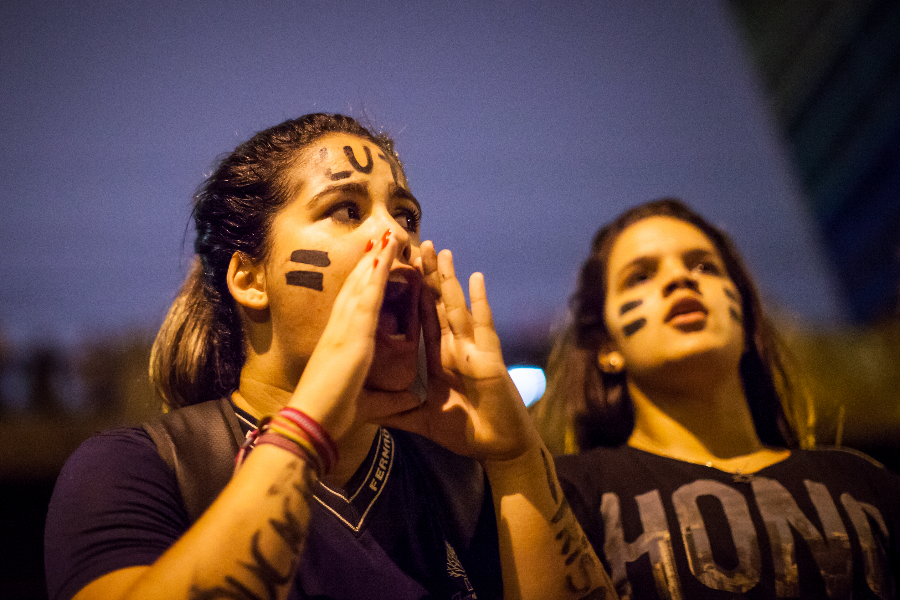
(260, 398)
(697, 423)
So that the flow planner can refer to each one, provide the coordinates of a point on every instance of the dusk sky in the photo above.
(523, 126)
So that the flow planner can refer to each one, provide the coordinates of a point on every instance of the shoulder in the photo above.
(109, 450)
(116, 504)
(841, 463)
(117, 461)
(594, 463)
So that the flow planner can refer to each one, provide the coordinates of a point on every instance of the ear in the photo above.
(610, 361)
(247, 282)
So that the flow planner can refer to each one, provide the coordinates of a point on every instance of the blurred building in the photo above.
(832, 72)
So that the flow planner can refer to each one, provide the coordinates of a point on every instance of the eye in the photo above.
(408, 218)
(345, 212)
(636, 277)
(707, 267)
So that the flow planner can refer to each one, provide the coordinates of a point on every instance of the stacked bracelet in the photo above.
(296, 432)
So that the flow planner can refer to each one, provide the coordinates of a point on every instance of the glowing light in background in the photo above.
(530, 381)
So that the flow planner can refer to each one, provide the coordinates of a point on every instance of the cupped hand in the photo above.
(329, 389)
(472, 406)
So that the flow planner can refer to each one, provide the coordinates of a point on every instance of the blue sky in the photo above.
(523, 127)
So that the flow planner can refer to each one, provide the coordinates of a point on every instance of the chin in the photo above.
(392, 375)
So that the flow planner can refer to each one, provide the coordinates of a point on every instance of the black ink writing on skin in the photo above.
(633, 327)
(307, 279)
(550, 481)
(348, 151)
(629, 306)
(316, 258)
(391, 165)
(351, 156)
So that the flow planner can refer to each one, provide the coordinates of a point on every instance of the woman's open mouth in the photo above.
(399, 318)
(687, 312)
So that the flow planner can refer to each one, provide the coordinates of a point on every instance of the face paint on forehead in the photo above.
(392, 166)
(629, 306)
(351, 156)
(348, 151)
(632, 328)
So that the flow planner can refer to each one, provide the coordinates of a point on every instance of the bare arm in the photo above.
(474, 409)
(248, 544)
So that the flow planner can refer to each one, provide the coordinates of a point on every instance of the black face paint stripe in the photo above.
(316, 258)
(348, 150)
(307, 279)
(731, 294)
(629, 306)
(339, 175)
(735, 314)
(634, 327)
(392, 166)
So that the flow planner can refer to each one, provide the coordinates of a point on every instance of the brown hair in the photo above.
(199, 350)
(585, 407)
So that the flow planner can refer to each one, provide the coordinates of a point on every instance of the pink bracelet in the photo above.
(324, 445)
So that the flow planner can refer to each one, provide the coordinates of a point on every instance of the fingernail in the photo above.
(384, 238)
(376, 263)
(369, 245)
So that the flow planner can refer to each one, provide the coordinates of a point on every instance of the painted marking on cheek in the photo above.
(353, 162)
(731, 294)
(633, 327)
(316, 258)
(735, 314)
(307, 279)
(629, 306)
(392, 166)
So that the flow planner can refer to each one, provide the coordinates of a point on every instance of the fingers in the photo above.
(457, 313)
(482, 318)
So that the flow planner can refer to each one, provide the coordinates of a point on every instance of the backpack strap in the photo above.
(199, 443)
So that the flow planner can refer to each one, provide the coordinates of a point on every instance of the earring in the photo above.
(610, 363)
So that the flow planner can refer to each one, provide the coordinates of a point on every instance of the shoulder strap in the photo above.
(199, 443)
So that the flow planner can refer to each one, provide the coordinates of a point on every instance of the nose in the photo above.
(387, 221)
(679, 277)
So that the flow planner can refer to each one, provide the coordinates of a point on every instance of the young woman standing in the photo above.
(298, 329)
(691, 482)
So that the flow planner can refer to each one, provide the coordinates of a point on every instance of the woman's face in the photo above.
(346, 192)
(670, 299)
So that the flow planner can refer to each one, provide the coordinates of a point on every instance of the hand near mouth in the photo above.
(329, 389)
(472, 405)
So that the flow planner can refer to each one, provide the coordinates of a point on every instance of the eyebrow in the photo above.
(401, 192)
(362, 189)
(355, 188)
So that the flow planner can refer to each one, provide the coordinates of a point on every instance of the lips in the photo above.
(399, 318)
(686, 310)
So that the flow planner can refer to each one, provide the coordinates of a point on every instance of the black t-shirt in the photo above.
(821, 523)
(387, 535)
